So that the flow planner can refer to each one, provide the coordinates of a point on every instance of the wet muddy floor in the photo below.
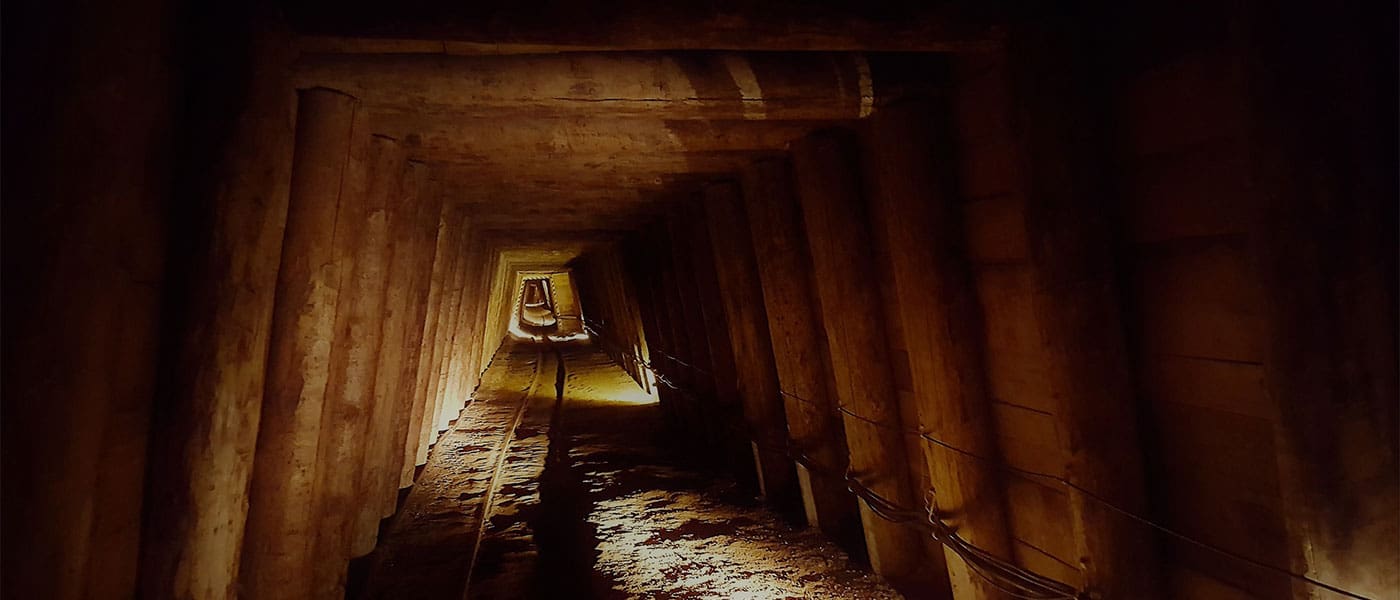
(557, 482)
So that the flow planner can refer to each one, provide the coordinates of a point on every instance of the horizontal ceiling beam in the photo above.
(501, 141)
(722, 86)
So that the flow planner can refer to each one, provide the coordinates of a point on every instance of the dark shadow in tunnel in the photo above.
(567, 540)
(599, 452)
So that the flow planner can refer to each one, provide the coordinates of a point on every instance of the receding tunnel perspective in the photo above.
(700, 300)
(546, 307)
(536, 307)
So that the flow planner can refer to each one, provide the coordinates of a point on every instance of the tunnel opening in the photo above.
(535, 314)
(680, 300)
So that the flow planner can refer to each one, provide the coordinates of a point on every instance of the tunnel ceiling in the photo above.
(505, 27)
(557, 137)
(590, 142)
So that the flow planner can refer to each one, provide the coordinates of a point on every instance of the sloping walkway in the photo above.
(425, 551)
(591, 504)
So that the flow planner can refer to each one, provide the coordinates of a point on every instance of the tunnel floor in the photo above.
(586, 500)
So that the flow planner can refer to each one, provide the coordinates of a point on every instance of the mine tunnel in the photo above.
(948, 300)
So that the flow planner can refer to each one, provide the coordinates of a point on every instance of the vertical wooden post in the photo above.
(628, 317)
(842, 267)
(281, 524)
(799, 348)
(88, 153)
(637, 256)
(416, 446)
(913, 207)
(722, 409)
(692, 239)
(500, 277)
(410, 403)
(447, 330)
(395, 356)
(637, 293)
(688, 315)
(451, 337)
(450, 234)
(480, 344)
(353, 359)
(386, 323)
(1321, 123)
(672, 334)
(476, 319)
(757, 377)
(671, 318)
(1071, 247)
(633, 320)
(468, 333)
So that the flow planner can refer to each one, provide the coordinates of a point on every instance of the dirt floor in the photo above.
(586, 500)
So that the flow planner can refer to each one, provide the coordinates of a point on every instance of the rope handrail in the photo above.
(1010, 578)
(891, 512)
